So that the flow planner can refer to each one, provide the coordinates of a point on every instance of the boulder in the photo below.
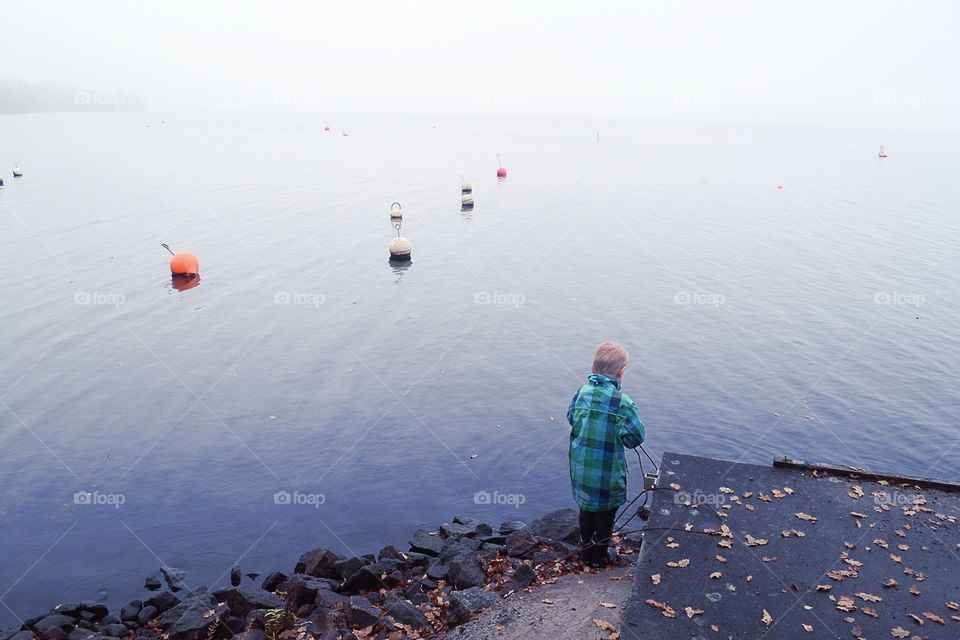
(302, 589)
(174, 578)
(453, 548)
(251, 634)
(466, 572)
(192, 618)
(521, 542)
(78, 634)
(546, 557)
(22, 635)
(147, 614)
(363, 580)
(561, 525)
(234, 625)
(116, 630)
(240, 600)
(389, 551)
(523, 577)
(327, 598)
(235, 575)
(272, 581)
(405, 612)
(71, 609)
(152, 582)
(415, 593)
(413, 559)
(506, 528)
(130, 610)
(348, 567)
(97, 609)
(423, 542)
(86, 624)
(54, 621)
(162, 601)
(463, 603)
(438, 570)
(392, 579)
(318, 562)
(387, 565)
(361, 613)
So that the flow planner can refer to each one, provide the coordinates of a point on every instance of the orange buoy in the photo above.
(779, 186)
(184, 263)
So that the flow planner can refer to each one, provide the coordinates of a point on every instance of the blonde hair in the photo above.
(609, 358)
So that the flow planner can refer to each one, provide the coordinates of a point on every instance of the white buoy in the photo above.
(396, 211)
(466, 187)
(17, 171)
(466, 200)
(400, 249)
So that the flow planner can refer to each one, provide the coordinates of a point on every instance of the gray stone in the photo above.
(251, 634)
(162, 601)
(117, 630)
(22, 635)
(55, 621)
(523, 577)
(453, 548)
(106, 619)
(463, 603)
(71, 609)
(318, 562)
(361, 613)
(129, 611)
(466, 572)
(192, 619)
(438, 570)
(174, 578)
(546, 557)
(147, 614)
(302, 589)
(406, 612)
(348, 567)
(240, 600)
(98, 609)
(561, 525)
(87, 624)
(152, 582)
(77, 634)
(423, 542)
(521, 542)
(327, 598)
(363, 580)
(506, 528)
(272, 581)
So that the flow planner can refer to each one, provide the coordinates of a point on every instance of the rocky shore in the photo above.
(443, 580)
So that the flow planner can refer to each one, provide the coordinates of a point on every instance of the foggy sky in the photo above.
(887, 62)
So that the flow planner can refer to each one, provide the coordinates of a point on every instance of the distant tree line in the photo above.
(24, 97)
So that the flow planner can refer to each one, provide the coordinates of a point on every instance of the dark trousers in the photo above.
(595, 530)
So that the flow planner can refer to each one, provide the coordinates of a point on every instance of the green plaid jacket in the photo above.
(604, 420)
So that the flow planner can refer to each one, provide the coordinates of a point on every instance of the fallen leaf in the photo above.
(604, 625)
(767, 619)
(807, 628)
(868, 597)
(714, 628)
(608, 605)
(916, 618)
(952, 605)
(855, 492)
(846, 603)
(934, 618)
(754, 542)
(899, 632)
(858, 515)
(715, 575)
(721, 559)
(870, 612)
(680, 563)
(692, 612)
(805, 516)
(896, 558)
(726, 544)
(655, 578)
(664, 609)
(824, 587)
(914, 589)
(890, 583)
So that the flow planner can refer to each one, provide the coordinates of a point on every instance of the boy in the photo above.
(604, 420)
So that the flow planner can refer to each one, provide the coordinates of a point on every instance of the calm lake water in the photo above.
(819, 320)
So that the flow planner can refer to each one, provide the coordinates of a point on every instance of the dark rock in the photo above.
(192, 619)
(174, 578)
(322, 627)
(392, 579)
(326, 598)
(561, 525)
(506, 528)
(78, 634)
(116, 630)
(414, 559)
(428, 584)
(361, 613)
(523, 577)
(29, 622)
(369, 558)
(545, 557)
(130, 625)
(406, 612)
(305, 611)
(437, 570)
(162, 601)
(129, 611)
(415, 593)
(521, 542)
(387, 565)
(251, 634)
(87, 624)
(272, 581)
(253, 576)
(499, 539)
(423, 542)
(302, 589)
(466, 572)
(492, 550)
(71, 609)
(147, 614)
(108, 620)
(453, 548)
(455, 530)
(89, 617)
(389, 552)
(363, 580)
(234, 625)
(98, 609)
(463, 603)
(22, 635)
(152, 582)
(54, 633)
(318, 562)
(54, 621)
(374, 597)
(241, 600)
(235, 575)
(348, 567)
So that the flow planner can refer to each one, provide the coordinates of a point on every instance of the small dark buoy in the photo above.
(235, 575)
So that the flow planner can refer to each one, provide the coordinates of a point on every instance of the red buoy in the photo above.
(501, 173)
(184, 263)
(326, 128)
